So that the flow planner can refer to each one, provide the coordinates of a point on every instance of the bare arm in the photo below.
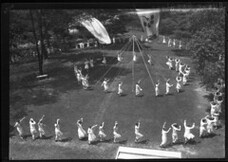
(193, 126)
(22, 119)
(94, 126)
(168, 130)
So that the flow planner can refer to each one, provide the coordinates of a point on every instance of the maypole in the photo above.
(133, 76)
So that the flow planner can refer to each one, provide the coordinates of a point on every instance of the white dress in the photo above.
(81, 132)
(91, 63)
(187, 133)
(202, 128)
(174, 134)
(178, 86)
(137, 90)
(91, 135)
(138, 135)
(156, 90)
(101, 132)
(104, 60)
(120, 90)
(116, 135)
(134, 58)
(214, 108)
(167, 87)
(164, 137)
(19, 128)
(41, 128)
(210, 125)
(58, 133)
(86, 65)
(105, 84)
(32, 127)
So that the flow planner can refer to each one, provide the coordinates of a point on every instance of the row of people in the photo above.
(172, 42)
(206, 128)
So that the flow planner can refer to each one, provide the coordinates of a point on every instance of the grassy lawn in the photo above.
(60, 96)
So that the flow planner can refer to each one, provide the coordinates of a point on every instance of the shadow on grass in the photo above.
(84, 139)
(45, 137)
(68, 139)
(122, 142)
(210, 135)
(143, 141)
(209, 97)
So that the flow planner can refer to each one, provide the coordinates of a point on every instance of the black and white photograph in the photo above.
(116, 82)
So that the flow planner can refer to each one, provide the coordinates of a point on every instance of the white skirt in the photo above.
(102, 134)
(189, 136)
(81, 133)
(116, 135)
(138, 135)
(91, 137)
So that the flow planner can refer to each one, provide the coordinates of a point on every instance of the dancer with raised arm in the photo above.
(168, 86)
(32, 125)
(58, 133)
(81, 132)
(187, 132)
(20, 128)
(91, 136)
(137, 134)
(120, 90)
(101, 133)
(138, 89)
(175, 128)
(41, 127)
(115, 132)
(164, 135)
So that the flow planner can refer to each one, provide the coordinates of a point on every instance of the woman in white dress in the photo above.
(58, 133)
(81, 132)
(210, 124)
(178, 85)
(175, 128)
(41, 127)
(101, 133)
(137, 134)
(116, 135)
(157, 92)
(184, 77)
(120, 90)
(19, 128)
(105, 84)
(138, 89)
(164, 135)
(181, 65)
(168, 86)
(169, 63)
(203, 130)
(217, 121)
(177, 61)
(187, 132)
(32, 125)
(91, 135)
(214, 107)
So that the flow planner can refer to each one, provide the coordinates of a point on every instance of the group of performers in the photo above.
(206, 127)
(172, 42)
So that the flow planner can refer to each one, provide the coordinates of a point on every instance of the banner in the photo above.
(149, 19)
(97, 29)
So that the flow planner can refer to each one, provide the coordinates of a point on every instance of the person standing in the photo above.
(91, 62)
(210, 124)
(41, 127)
(203, 130)
(104, 60)
(175, 128)
(81, 132)
(115, 132)
(105, 84)
(177, 61)
(58, 133)
(120, 90)
(178, 86)
(187, 133)
(101, 133)
(32, 125)
(157, 89)
(91, 135)
(168, 86)
(138, 90)
(19, 127)
(164, 135)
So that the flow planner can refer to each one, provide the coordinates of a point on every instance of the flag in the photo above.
(97, 29)
(149, 19)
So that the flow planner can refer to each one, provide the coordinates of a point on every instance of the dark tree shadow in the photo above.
(209, 97)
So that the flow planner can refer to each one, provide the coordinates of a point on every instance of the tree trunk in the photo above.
(40, 58)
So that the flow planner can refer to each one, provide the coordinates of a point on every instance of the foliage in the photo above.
(207, 45)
